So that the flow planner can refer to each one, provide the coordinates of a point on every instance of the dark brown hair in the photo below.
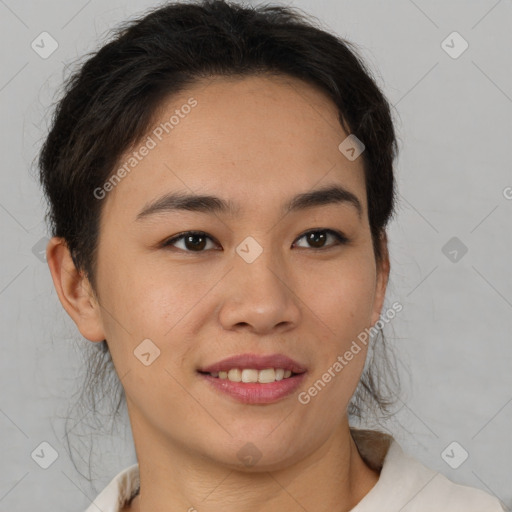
(109, 102)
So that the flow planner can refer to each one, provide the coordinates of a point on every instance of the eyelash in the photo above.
(340, 239)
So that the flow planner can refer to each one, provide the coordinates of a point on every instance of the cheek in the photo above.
(342, 296)
(134, 294)
(343, 301)
(143, 302)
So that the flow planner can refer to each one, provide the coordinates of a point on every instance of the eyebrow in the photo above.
(175, 201)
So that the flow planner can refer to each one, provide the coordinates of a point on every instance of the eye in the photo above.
(196, 241)
(317, 238)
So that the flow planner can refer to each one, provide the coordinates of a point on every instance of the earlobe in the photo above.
(74, 291)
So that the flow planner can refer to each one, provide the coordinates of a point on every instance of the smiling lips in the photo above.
(256, 362)
(255, 379)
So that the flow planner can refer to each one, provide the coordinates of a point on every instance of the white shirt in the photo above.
(404, 484)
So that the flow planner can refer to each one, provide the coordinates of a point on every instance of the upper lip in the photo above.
(256, 362)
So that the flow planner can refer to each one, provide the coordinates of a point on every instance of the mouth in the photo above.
(254, 368)
(255, 379)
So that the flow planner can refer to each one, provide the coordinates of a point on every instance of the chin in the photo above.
(253, 453)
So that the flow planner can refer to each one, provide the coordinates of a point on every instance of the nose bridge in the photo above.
(258, 293)
(258, 268)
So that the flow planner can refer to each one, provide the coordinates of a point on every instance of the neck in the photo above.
(335, 477)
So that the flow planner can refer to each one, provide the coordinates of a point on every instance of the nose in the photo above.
(259, 296)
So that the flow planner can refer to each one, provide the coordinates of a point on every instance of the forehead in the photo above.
(256, 139)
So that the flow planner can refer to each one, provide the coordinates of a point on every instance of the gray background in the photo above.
(454, 334)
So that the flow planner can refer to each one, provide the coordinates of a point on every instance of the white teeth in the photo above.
(268, 375)
(250, 375)
(235, 375)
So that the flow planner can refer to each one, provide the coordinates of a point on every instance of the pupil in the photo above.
(314, 236)
(192, 237)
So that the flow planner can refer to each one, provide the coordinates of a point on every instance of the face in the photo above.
(258, 280)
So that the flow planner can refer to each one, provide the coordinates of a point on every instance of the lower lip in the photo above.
(256, 392)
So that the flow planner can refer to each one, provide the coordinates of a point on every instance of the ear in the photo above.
(74, 291)
(382, 279)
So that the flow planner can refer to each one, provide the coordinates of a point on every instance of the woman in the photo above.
(220, 179)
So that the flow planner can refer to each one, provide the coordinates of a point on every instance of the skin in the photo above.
(257, 141)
